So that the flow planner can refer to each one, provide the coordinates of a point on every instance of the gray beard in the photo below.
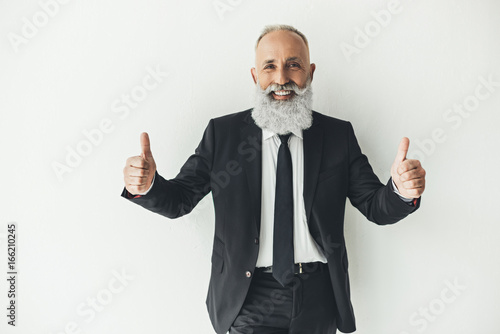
(283, 116)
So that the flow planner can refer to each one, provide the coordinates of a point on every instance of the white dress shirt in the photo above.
(305, 248)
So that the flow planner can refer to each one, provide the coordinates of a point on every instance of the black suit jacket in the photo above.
(227, 162)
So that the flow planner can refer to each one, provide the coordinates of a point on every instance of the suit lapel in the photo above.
(251, 162)
(313, 148)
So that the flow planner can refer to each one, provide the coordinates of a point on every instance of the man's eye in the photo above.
(269, 67)
(294, 65)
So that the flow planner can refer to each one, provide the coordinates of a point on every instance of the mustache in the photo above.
(292, 86)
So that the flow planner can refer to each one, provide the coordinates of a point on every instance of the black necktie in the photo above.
(283, 258)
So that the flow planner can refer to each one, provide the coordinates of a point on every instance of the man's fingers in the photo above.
(139, 170)
(137, 177)
(414, 183)
(408, 174)
(415, 173)
(402, 150)
(412, 179)
(138, 162)
(145, 146)
(136, 182)
(408, 165)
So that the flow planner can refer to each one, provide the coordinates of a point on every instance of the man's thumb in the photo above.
(402, 149)
(145, 146)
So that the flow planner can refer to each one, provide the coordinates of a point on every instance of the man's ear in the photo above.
(254, 74)
(313, 67)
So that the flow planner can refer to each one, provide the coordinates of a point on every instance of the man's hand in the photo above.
(140, 170)
(407, 174)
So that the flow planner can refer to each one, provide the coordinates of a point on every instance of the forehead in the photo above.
(280, 45)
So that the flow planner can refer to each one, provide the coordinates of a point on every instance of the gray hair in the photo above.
(278, 27)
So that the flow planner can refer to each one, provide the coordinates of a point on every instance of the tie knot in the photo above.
(284, 138)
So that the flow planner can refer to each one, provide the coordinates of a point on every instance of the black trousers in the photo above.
(305, 306)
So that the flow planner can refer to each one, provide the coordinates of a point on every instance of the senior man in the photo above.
(279, 174)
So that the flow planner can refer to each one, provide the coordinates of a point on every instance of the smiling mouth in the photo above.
(282, 94)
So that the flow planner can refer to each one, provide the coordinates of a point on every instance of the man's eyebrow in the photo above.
(297, 59)
(269, 61)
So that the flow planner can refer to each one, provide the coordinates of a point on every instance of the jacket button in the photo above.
(248, 274)
(256, 241)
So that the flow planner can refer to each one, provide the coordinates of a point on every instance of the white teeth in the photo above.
(283, 92)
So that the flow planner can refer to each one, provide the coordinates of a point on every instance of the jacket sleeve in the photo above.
(178, 196)
(377, 202)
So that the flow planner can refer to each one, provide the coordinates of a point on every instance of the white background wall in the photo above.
(66, 75)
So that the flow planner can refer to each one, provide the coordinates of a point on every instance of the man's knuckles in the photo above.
(412, 174)
(415, 183)
(135, 171)
(132, 160)
(141, 163)
(139, 172)
(138, 162)
(408, 165)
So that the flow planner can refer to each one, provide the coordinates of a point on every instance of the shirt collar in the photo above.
(266, 134)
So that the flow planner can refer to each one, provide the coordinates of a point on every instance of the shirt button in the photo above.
(248, 274)
(256, 241)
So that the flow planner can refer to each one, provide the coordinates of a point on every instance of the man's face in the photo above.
(282, 57)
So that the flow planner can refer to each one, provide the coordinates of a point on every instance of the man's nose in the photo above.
(281, 77)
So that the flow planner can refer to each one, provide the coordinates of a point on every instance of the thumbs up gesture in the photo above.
(407, 174)
(139, 170)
